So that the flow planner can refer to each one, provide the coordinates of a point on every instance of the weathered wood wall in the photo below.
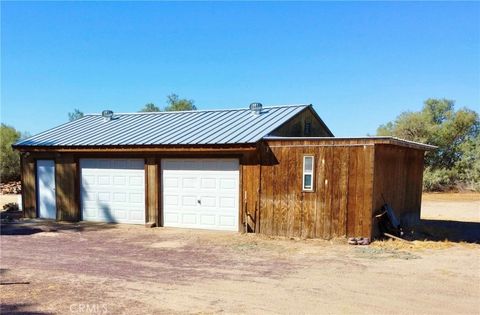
(66, 188)
(249, 193)
(29, 194)
(295, 127)
(350, 177)
(399, 178)
(341, 203)
(153, 191)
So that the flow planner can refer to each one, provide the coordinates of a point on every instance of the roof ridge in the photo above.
(198, 110)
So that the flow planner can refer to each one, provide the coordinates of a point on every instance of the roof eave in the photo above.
(141, 148)
(378, 140)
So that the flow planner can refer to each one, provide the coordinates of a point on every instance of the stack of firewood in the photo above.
(10, 188)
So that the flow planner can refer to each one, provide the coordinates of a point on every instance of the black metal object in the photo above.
(387, 221)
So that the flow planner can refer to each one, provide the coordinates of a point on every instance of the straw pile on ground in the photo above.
(418, 245)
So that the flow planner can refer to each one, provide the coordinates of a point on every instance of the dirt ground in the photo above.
(463, 207)
(4, 199)
(49, 268)
(58, 268)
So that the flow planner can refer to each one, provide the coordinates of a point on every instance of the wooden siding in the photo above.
(350, 177)
(295, 127)
(29, 194)
(399, 178)
(341, 203)
(249, 193)
(152, 191)
(66, 181)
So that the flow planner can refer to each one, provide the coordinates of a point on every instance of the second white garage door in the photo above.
(113, 190)
(200, 193)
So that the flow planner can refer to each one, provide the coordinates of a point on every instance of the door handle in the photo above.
(199, 201)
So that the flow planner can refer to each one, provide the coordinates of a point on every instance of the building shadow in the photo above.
(16, 229)
(3, 281)
(33, 226)
(106, 213)
(103, 208)
(440, 230)
(18, 309)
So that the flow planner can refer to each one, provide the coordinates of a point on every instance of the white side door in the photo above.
(201, 193)
(47, 208)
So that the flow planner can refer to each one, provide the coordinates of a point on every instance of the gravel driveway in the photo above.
(52, 268)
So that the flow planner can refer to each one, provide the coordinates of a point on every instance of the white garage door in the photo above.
(200, 193)
(113, 190)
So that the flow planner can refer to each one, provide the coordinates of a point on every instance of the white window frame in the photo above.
(305, 172)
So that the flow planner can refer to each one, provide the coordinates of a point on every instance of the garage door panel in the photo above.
(119, 180)
(136, 181)
(189, 218)
(171, 200)
(89, 196)
(228, 183)
(88, 180)
(103, 196)
(208, 201)
(201, 193)
(172, 218)
(137, 215)
(189, 182)
(170, 182)
(227, 202)
(119, 197)
(136, 198)
(208, 183)
(103, 180)
(121, 214)
(189, 201)
(90, 212)
(207, 220)
(228, 221)
(113, 190)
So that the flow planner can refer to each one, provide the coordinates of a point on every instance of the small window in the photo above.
(308, 173)
(308, 128)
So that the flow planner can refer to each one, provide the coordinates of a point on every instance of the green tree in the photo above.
(9, 158)
(76, 114)
(455, 132)
(468, 167)
(174, 103)
(150, 107)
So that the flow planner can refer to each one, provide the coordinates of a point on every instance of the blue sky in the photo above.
(360, 64)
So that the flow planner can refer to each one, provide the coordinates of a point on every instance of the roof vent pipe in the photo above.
(107, 115)
(256, 108)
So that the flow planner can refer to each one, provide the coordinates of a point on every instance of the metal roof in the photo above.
(199, 127)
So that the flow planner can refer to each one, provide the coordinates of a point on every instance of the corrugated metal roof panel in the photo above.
(231, 126)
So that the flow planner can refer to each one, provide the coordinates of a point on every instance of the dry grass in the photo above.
(451, 196)
(420, 245)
